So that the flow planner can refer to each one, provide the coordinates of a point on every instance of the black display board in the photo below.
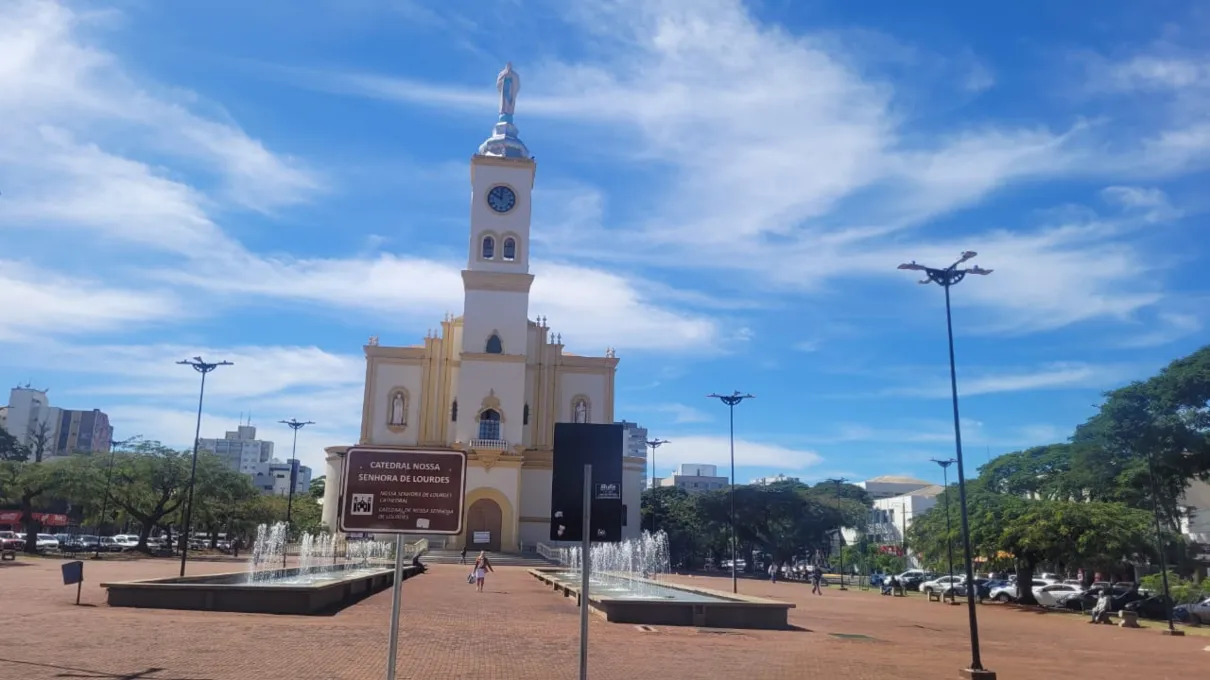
(577, 445)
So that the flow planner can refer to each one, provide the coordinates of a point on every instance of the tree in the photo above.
(318, 485)
(149, 484)
(40, 440)
(220, 497)
(26, 484)
(11, 450)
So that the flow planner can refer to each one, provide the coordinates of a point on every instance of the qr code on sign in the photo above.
(363, 504)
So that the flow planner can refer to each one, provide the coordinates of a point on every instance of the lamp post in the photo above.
(296, 425)
(731, 400)
(654, 444)
(839, 534)
(1159, 544)
(949, 535)
(113, 447)
(947, 278)
(204, 368)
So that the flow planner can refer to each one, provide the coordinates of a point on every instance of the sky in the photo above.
(724, 192)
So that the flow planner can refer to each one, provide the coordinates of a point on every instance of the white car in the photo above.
(1048, 596)
(941, 584)
(1009, 593)
(47, 542)
(127, 541)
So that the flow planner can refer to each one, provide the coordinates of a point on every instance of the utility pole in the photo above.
(948, 278)
(654, 444)
(732, 400)
(839, 533)
(296, 425)
(204, 368)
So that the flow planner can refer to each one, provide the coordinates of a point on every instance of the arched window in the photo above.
(489, 248)
(510, 248)
(494, 346)
(489, 424)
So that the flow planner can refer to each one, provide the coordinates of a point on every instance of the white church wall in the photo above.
(388, 377)
(535, 493)
(477, 379)
(590, 385)
(496, 311)
(333, 471)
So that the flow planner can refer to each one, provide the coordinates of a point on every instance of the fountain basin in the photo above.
(627, 599)
(285, 592)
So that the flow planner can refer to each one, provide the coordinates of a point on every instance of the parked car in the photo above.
(9, 540)
(47, 542)
(1198, 612)
(1048, 596)
(1149, 607)
(983, 589)
(912, 578)
(1009, 592)
(941, 584)
(126, 541)
(79, 543)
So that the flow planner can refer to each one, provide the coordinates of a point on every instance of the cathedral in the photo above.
(492, 382)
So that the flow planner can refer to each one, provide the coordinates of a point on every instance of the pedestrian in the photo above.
(773, 572)
(462, 556)
(482, 566)
(816, 579)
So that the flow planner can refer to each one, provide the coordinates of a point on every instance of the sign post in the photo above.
(73, 572)
(585, 570)
(396, 491)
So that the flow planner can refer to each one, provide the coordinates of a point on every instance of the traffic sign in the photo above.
(401, 491)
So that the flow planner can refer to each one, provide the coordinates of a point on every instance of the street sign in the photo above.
(577, 445)
(394, 491)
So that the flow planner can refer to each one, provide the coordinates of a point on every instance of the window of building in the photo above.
(494, 345)
(489, 248)
(525, 415)
(510, 248)
(489, 425)
(454, 412)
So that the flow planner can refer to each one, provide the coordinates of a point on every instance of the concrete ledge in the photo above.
(231, 592)
(728, 611)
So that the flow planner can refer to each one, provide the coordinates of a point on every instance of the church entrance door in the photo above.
(484, 523)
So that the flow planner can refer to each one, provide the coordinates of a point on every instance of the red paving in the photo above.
(519, 630)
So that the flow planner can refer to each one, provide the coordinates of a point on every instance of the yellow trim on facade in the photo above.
(499, 358)
(509, 282)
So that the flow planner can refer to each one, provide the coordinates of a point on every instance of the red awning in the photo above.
(46, 518)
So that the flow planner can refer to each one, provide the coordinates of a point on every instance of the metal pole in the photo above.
(290, 498)
(203, 368)
(949, 531)
(105, 498)
(393, 645)
(197, 434)
(734, 548)
(839, 533)
(976, 661)
(585, 569)
(1159, 542)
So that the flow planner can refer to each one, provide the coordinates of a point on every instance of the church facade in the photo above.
(492, 382)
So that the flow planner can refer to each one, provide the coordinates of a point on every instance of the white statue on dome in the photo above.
(509, 84)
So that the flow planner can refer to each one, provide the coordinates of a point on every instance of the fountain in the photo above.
(624, 588)
(323, 581)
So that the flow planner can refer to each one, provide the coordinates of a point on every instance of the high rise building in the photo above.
(240, 450)
(31, 420)
(83, 432)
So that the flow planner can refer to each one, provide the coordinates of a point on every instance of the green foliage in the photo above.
(781, 520)
(26, 484)
(10, 450)
(1183, 591)
(318, 485)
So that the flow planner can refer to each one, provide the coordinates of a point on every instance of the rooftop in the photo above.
(895, 479)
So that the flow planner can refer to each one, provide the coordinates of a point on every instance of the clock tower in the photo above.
(496, 282)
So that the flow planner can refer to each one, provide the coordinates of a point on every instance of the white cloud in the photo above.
(40, 303)
(682, 413)
(712, 450)
(1167, 327)
(54, 73)
(1073, 375)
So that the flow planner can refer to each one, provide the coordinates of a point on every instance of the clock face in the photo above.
(501, 199)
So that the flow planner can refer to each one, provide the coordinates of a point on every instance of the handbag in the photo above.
(470, 578)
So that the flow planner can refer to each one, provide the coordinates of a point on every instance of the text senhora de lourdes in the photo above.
(403, 466)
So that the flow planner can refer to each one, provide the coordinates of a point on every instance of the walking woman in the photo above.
(482, 566)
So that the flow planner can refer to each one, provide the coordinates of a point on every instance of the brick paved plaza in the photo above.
(518, 631)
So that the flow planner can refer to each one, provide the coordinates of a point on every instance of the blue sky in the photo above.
(724, 192)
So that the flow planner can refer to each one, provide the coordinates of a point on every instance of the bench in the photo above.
(8, 555)
(935, 596)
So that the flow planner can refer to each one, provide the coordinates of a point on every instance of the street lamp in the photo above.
(202, 367)
(1159, 543)
(839, 534)
(113, 447)
(731, 400)
(296, 425)
(949, 535)
(947, 278)
(654, 444)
